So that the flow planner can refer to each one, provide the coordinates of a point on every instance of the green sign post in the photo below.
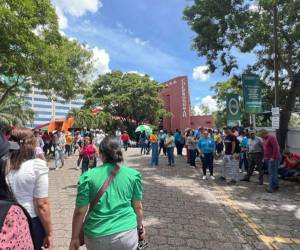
(233, 110)
(252, 93)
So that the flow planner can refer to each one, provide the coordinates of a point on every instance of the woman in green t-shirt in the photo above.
(116, 222)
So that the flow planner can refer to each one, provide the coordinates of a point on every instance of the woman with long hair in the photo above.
(14, 224)
(116, 219)
(28, 179)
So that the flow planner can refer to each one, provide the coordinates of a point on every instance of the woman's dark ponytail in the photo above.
(110, 148)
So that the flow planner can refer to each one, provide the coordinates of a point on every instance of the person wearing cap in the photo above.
(255, 157)
(15, 231)
(272, 158)
(290, 166)
(206, 146)
(28, 179)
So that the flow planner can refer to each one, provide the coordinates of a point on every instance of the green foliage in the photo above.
(130, 97)
(15, 111)
(32, 51)
(234, 85)
(223, 26)
(86, 118)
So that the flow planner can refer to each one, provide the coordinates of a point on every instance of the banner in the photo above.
(233, 110)
(252, 93)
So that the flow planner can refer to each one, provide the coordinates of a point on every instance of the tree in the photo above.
(33, 53)
(234, 85)
(128, 96)
(86, 118)
(223, 27)
(15, 111)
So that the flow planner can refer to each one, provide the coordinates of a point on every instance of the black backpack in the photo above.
(4, 208)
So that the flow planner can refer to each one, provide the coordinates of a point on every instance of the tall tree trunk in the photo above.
(286, 112)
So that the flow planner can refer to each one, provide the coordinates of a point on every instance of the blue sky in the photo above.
(147, 36)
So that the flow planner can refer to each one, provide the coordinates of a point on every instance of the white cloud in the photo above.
(101, 61)
(78, 7)
(62, 20)
(207, 101)
(135, 72)
(127, 52)
(199, 73)
(139, 41)
(74, 8)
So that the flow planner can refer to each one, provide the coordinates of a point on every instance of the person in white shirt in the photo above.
(28, 179)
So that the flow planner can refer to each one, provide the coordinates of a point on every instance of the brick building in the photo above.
(176, 97)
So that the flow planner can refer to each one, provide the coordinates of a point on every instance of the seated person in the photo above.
(290, 166)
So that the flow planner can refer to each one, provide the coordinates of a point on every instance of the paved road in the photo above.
(182, 211)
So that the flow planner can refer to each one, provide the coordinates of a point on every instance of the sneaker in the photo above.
(204, 177)
(222, 178)
(56, 169)
(212, 177)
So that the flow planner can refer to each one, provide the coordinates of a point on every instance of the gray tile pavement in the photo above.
(182, 211)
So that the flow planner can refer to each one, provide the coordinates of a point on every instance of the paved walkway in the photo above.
(184, 212)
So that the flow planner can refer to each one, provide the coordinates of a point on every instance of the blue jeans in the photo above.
(170, 153)
(154, 156)
(273, 173)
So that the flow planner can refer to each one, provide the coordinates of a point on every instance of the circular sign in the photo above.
(233, 106)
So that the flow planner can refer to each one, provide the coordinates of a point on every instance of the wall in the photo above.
(176, 97)
(205, 121)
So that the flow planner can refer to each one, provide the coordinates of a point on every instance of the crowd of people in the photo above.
(25, 217)
(242, 151)
(117, 221)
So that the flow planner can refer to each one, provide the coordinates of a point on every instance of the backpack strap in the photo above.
(4, 207)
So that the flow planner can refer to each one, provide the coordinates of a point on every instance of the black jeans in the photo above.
(162, 147)
(208, 162)
(85, 163)
(255, 159)
(68, 149)
(192, 153)
(38, 232)
(125, 144)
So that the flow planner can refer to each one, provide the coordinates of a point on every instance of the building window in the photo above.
(77, 103)
(61, 113)
(44, 113)
(42, 106)
(42, 119)
(41, 100)
(62, 108)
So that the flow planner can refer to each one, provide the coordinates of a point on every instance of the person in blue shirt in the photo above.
(206, 146)
(178, 142)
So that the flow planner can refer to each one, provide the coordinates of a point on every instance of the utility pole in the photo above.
(275, 47)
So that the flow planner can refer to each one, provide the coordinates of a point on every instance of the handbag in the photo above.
(98, 196)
